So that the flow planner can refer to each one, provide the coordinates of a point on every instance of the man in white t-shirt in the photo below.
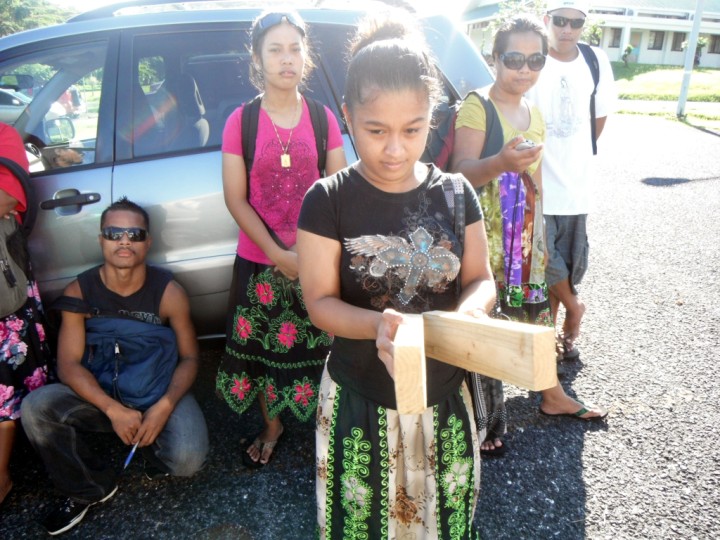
(563, 95)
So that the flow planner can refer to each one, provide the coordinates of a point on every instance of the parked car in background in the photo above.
(148, 75)
(12, 105)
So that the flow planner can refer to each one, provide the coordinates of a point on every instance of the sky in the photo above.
(449, 7)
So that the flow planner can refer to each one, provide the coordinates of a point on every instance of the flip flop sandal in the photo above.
(570, 351)
(261, 446)
(496, 452)
(577, 415)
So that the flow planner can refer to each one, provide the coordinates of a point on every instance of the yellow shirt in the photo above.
(472, 115)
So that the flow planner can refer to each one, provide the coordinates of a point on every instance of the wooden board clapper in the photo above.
(517, 353)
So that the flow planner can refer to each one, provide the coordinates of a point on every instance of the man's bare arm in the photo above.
(71, 347)
(175, 308)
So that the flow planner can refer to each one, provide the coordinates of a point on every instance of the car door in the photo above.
(171, 164)
(71, 159)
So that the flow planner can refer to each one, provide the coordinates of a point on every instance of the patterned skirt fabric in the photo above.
(381, 475)
(271, 348)
(24, 354)
(529, 304)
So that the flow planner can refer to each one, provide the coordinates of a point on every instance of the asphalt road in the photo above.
(649, 352)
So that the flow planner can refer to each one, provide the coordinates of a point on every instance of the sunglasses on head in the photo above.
(516, 60)
(134, 234)
(563, 21)
(275, 18)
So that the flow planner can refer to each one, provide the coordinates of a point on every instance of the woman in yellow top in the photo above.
(510, 192)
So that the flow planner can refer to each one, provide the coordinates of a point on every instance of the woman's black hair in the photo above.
(388, 53)
(518, 25)
(257, 37)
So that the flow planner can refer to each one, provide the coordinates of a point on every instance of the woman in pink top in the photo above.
(272, 351)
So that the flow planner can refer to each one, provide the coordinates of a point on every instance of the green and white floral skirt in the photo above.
(381, 475)
(272, 348)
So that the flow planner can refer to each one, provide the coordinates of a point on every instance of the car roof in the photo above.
(150, 14)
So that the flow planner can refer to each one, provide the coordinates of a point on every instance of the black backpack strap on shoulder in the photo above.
(319, 120)
(455, 198)
(24, 178)
(73, 305)
(493, 129)
(249, 126)
(592, 62)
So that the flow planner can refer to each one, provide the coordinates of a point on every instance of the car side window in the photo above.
(55, 102)
(185, 85)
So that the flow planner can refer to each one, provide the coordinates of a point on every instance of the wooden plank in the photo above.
(517, 353)
(409, 366)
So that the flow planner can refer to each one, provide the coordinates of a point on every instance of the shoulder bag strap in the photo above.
(319, 120)
(594, 65)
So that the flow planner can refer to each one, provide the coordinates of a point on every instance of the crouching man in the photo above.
(127, 357)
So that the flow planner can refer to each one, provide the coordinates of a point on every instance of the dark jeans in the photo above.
(57, 422)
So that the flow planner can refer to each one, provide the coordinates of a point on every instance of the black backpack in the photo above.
(594, 65)
(249, 126)
(251, 116)
(441, 138)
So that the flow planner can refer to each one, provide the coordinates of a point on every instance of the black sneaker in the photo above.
(154, 473)
(69, 514)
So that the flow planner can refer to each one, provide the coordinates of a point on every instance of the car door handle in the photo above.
(83, 198)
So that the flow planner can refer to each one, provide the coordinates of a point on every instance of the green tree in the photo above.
(19, 15)
(592, 32)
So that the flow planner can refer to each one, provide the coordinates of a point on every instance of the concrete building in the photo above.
(656, 29)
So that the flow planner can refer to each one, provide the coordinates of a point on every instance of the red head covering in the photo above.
(11, 146)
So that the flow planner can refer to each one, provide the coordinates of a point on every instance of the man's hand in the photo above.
(125, 422)
(153, 422)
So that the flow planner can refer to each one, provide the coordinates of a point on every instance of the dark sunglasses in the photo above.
(562, 22)
(516, 60)
(275, 18)
(134, 234)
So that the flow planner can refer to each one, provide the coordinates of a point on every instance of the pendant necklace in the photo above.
(285, 156)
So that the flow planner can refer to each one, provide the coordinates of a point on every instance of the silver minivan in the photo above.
(157, 83)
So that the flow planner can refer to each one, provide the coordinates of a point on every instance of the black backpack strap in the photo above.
(319, 120)
(493, 129)
(24, 178)
(455, 199)
(249, 126)
(594, 65)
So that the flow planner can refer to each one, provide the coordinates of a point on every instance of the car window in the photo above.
(55, 95)
(185, 84)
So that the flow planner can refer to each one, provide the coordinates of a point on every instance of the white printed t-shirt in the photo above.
(562, 94)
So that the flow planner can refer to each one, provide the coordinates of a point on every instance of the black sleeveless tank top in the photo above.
(143, 305)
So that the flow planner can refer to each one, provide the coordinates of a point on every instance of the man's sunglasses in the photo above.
(275, 18)
(134, 234)
(516, 60)
(563, 21)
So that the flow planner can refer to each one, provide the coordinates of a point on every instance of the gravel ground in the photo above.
(649, 346)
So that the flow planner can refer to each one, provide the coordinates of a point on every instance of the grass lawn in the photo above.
(662, 83)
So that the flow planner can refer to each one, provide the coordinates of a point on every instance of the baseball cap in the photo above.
(583, 6)
(11, 146)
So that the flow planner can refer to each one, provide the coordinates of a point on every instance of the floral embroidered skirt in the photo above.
(528, 303)
(271, 347)
(381, 475)
(24, 355)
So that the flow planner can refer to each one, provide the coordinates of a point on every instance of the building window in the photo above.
(678, 38)
(714, 47)
(615, 38)
(656, 41)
